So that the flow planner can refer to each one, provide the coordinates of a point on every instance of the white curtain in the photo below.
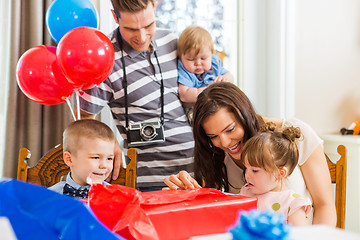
(5, 23)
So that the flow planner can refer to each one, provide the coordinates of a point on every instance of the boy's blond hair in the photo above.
(88, 128)
(194, 38)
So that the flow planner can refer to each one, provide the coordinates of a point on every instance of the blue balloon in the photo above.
(64, 15)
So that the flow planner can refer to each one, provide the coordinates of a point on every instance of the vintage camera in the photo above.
(145, 133)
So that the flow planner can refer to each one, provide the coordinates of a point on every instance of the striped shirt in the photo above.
(159, 160)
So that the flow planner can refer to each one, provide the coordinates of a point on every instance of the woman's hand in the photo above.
(182, 180)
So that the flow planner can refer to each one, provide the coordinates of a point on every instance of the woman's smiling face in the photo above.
(225, 132)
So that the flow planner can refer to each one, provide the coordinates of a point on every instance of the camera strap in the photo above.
(125, 84)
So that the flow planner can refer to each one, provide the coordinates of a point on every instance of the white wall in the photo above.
(303, 58)
(327, 80)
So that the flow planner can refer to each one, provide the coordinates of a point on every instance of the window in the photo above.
(219, 17)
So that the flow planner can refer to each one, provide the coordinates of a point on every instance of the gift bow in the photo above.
(121, 208)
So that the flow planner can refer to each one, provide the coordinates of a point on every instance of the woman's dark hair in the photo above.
(209, 164)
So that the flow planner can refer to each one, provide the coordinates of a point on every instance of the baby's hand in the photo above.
(220, 78)
(227, 77)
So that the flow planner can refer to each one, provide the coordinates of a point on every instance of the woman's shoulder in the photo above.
(307, 131)
(305, 128)
(278, 121)
(295, 122)
(286, 122)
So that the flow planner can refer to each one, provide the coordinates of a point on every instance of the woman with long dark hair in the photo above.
(224, 119)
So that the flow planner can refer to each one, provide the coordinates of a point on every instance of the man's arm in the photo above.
(118, 163)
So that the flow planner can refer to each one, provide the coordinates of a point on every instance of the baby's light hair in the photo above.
(194, 38)
(87, 128)
(272, 150)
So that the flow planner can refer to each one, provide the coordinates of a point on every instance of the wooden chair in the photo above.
(221, 55)
(338, 177)
(51, 168)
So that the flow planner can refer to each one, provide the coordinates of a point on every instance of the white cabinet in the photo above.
(352, 144)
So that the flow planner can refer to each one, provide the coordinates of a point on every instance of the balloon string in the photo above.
(78, 103)
(72, 112)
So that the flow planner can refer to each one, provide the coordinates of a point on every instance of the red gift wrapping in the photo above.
(166, 214)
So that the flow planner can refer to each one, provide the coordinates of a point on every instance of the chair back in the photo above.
(338, 177)
(51, 168)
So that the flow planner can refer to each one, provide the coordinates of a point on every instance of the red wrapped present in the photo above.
(166, 214)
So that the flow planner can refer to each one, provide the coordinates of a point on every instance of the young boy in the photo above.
(89, 152)
(197, 66)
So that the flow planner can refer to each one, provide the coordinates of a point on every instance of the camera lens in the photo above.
(148, 132)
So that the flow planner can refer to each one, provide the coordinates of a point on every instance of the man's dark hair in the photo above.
(131, 6)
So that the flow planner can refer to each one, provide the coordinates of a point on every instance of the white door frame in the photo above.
(269, 43)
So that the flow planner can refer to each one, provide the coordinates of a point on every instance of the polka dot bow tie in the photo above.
(73, 192)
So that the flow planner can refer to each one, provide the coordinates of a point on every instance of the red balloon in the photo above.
(85, 56)
(40, 78)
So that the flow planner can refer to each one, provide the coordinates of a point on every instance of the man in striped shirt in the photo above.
(148, 55)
